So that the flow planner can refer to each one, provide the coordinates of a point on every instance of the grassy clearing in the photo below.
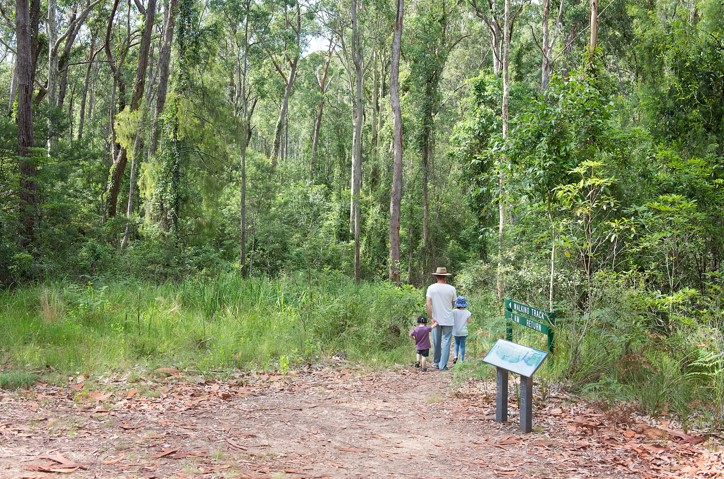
(205, 326)
(214, 327)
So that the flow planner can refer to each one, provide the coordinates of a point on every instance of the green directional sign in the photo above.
(527, 322)
(526, 310)
(530, 317)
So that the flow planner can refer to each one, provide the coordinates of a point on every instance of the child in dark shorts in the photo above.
(421, 335)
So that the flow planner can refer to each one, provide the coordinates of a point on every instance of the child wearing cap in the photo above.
(461, 318)
(421, 335)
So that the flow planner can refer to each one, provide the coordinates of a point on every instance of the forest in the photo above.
(315, 160)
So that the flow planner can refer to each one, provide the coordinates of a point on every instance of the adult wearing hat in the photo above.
(440, 301)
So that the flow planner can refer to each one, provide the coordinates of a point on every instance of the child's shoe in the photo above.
(417, 364)
(424, 370)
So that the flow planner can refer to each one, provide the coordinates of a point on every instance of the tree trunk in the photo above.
(24, 74)
(64, 58)
(322, 83)
(497, 47)
(490, 17)
(91, 56)
(52, 29)
(375, 107)
(175, 180)
(119, 163)
(546, 47)
(35, 35)
(594, 27)
(397, 170)
(13, 86)
(138, 154)
(242, 208)
(291, 60)
(75, 24)
(357, 142)
(549, 41)
(500, 280)
(279, 130)
(164, 61)
(119, 86)
(425, 154)
(92, 90)
(244, 143)
(71, 106)
(135, 162)
(58, 65)
(551, 282)
(143, 55)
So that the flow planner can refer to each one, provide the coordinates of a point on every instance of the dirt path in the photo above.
(335, 423)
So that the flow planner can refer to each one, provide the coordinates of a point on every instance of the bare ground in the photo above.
(329, 423)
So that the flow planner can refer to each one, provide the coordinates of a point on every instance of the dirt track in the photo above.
(335, 423)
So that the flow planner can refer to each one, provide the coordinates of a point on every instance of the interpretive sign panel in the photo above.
(511, 357)
(515, 358)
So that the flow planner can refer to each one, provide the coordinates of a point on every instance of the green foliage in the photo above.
(625, 355)
(708, 370)
(478, 137)
(681, 73)
(126, 124)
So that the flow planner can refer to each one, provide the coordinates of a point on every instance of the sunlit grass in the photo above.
(227, 323)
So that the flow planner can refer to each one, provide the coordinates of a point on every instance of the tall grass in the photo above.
(205, 325)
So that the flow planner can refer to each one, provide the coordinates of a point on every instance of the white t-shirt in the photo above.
(443, 298)
(460, 317)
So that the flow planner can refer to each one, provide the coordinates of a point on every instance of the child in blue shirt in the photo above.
(461, 318)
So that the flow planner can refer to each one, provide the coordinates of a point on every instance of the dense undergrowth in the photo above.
(213, 326)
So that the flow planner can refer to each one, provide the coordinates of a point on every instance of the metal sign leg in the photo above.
(526, 404)
(501, 396)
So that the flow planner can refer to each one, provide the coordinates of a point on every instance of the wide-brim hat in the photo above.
(461, 302)
(441, 271)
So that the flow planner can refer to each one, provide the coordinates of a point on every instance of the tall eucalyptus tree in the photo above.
(358, 119)
(164, 67)
(26, 28)
(434, 33)
(322, 83)
(241, 18)
(397, 170)
(120, 158)
(59, 61)
(502, 197)
(283, 40)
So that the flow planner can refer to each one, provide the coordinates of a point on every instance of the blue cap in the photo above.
(460, 302)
